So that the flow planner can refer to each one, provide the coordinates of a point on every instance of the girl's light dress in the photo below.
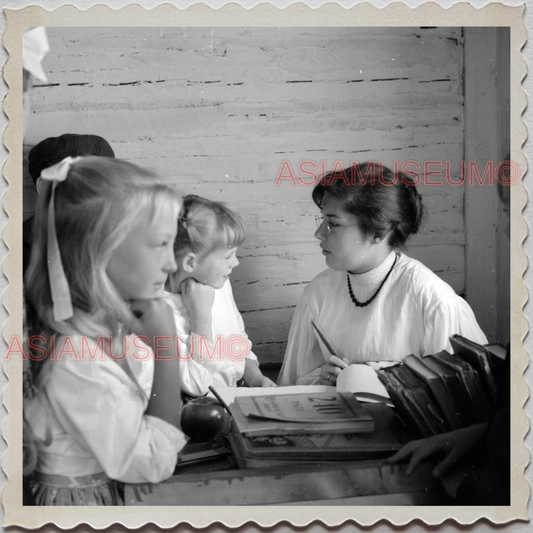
(415, 312)
(205, 364)
(88, 422)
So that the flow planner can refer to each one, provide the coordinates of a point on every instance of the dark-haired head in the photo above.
(384, 202)
(52, 150)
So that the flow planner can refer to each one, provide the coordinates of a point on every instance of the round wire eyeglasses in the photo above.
(320, 222)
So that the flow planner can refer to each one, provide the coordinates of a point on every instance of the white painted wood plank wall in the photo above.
(217, 112)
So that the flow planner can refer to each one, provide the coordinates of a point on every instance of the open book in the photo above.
(359, 379)
(362, 380)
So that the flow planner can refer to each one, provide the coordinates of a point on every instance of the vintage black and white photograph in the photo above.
(267, 265)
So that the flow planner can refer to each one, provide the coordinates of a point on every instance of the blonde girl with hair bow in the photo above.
(106, 410)
(214, 348)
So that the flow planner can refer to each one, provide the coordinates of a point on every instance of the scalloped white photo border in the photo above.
(396, 14)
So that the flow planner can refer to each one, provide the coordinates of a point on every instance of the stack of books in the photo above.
(197, 454)
(443, 392)
(314, 428)
(419, 397)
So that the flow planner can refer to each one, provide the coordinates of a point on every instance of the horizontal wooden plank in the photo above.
(290, 100)
(312, 137)
(206, 54)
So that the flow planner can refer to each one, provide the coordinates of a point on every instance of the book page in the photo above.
(312, 407)
(363, 381)
(228, 394)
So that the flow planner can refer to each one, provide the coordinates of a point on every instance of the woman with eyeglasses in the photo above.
(373, 303)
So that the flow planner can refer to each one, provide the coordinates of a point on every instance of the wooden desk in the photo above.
(370, 482)
(358, 483)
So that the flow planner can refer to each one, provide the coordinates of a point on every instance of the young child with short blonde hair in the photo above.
(214, 347)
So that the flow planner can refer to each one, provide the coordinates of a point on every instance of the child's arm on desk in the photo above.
(156, 320)
(253, 376)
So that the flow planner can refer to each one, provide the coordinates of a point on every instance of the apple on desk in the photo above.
(203, 419)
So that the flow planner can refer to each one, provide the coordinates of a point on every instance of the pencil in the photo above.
(222, 402)
(324, 340)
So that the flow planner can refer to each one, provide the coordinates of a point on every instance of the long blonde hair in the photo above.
(96, 208)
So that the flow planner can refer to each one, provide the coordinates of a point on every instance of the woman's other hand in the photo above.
(453, 445)
(331, 369)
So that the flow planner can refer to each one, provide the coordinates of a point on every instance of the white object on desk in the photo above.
(228, 394)
(363, 381)
(360, 379)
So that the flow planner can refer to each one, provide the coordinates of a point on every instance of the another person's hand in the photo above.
(454, 445)
(331, 369)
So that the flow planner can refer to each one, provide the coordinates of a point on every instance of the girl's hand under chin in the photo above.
(153, 317)
(197, 297)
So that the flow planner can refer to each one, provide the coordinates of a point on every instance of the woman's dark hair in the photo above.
(383, 201)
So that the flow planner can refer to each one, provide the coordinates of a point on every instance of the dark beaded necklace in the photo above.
(364, 304)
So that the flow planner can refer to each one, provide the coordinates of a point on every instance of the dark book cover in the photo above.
(472, 383)
(479, 357)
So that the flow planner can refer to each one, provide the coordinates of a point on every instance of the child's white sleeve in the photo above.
(196, 378)
(221, 362)
(232, 325)
(100, 406)
(223, 353)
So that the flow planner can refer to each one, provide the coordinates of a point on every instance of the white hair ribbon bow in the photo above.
(59, 288)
